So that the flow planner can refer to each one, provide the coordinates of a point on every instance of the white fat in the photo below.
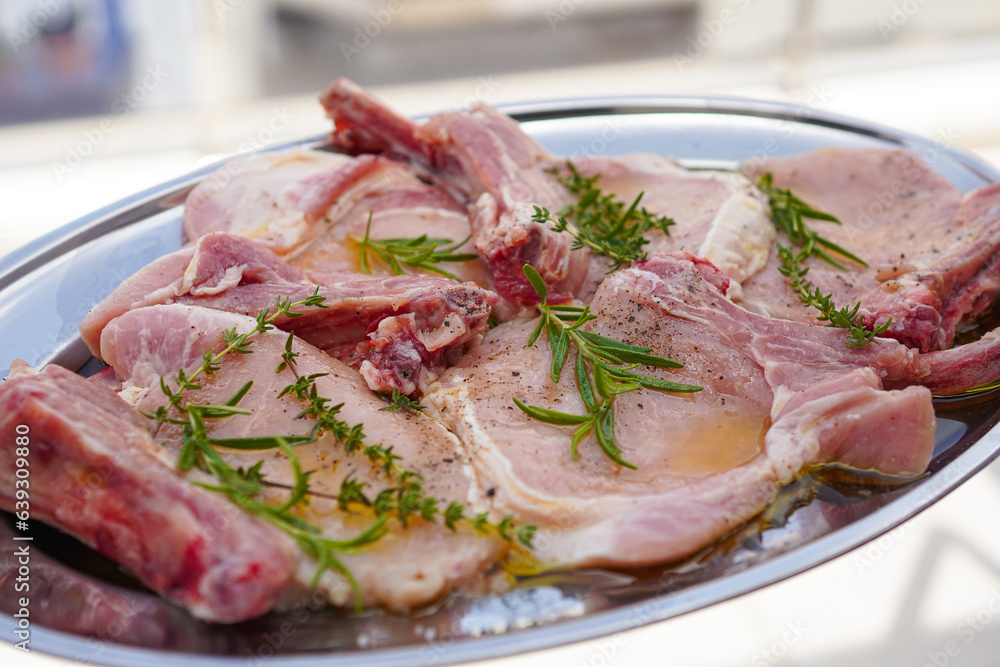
(132, 394)
(741, 234)
(232, 278)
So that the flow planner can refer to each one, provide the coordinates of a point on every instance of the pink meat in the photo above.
(897, 214)
(485, 158)
(929, 304)
(400, 332)
(777, 398)
(97, 474)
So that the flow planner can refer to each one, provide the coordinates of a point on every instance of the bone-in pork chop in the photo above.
(406, 568)
(258, 196)
(929, 304)
(311, 207)
(717, 215)
(96, 474)
(897, 214)
(399, 331)
(778, 397)
(484, 158)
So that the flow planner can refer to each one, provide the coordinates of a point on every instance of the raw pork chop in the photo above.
(897, 214)
(309, 206)
(486, 158)
(928, 305)
(97, 474)
(778, 397)
(258, 196)
(410, 566)
(483, 157)
(717, 215)
(400, 332)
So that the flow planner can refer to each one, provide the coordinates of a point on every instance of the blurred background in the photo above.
(102, 98)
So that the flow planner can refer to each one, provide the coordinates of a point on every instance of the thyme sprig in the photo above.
(235, 342)
(243, 486)
(418, 252)
(846, 318)
(397, 401)
(406, 498)
(788, 213)
(603, 368)
(600, 221)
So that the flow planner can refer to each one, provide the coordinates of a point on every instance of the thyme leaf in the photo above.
(603, 368)
(857, 335)
(600, 221)
(398, 401)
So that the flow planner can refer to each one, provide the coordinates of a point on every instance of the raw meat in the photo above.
(929, 304)
(309, 206)
(897, 214)
(717, 215)
(97, 475)
(256, 196)
(409, 567)
(400, 332)
(778, 397)
(485, 158)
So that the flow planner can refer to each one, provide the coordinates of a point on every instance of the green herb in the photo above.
(418, 252)
(242, 486)
(846, 318)
(398, 401)
(603, 370)
(601, 222)
(407, 497)
(404, 500)
(788, 213)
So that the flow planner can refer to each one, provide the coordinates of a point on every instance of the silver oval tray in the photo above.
(48, 286)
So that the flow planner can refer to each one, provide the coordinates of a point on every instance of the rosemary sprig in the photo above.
(603, 370)
(601, 222)
(406, 498)
(788, 213)
(419, 252)
(846, 318)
